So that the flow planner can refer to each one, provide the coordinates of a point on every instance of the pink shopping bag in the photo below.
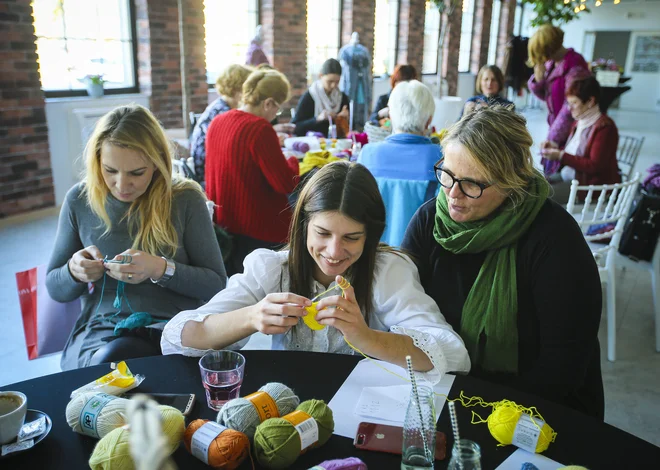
(46, 322)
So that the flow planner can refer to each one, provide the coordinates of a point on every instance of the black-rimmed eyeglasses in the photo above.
(472, 189)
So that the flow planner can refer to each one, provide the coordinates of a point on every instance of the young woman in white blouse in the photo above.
(335, 231)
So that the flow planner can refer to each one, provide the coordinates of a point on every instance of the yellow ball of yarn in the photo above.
(502, 423)
(113, 451)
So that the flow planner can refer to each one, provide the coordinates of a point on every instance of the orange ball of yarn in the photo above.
(228, 449)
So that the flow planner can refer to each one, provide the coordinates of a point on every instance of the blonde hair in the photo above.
(498, 140)
(263, 84)
(497, 73)
(149, 216)
(231, 79)
(545, 42)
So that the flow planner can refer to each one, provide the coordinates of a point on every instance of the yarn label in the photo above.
(202, 439)
(89, 414)
(307, 428)
(264, 404)
(527, 432)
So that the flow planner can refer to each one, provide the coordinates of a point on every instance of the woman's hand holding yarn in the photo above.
(344, 112)
(278, 312)
(344, 314)
(322, 116)
(86, 265)
(142, 267)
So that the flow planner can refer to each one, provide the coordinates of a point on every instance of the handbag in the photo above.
(642, 229)
(47, 323)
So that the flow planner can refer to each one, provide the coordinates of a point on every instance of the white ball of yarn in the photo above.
(111, 416)
(239, 414)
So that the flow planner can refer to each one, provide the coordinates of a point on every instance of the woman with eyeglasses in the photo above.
(247, 176)
(508, 267)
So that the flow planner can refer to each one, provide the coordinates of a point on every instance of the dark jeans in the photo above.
(142, 342)
(242, 245)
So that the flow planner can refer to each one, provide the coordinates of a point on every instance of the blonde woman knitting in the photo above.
(130, 208)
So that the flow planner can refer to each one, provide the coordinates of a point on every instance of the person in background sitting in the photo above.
(229, 86)
(247, 176)
(322, 101)
(509, 268)
(554, 68)
(402, 73)
(489, 86)
(130, 204)
(407, 153)
(335, 232)
(590, 153)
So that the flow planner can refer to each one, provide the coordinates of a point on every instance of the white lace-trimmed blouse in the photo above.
(400, 306)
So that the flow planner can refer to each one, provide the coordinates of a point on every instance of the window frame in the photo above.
(437, 59)
(396, 40)
(109, 91)
(258, 2)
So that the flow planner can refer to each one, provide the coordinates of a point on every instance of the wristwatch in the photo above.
(169, 272)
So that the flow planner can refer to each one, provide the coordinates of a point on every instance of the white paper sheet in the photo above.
(368, 374)
(519, 457)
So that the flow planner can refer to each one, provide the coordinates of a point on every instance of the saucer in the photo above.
(30, 416)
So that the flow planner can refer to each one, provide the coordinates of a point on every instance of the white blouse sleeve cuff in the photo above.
(447, 354)
(170, 342)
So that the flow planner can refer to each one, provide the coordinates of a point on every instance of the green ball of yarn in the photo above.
(277, 443)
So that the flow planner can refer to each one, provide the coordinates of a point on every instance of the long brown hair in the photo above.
(350, 189)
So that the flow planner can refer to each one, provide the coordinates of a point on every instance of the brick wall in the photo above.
(358, 16)
(411, 33)
(26, 181)
(284, 27)
(451, 48)
(480, 34)
(159, 57)
(507, 17)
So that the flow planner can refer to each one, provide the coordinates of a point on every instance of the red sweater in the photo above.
(248, 177)
(598, 164)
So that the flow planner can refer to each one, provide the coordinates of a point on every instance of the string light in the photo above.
(581, 6)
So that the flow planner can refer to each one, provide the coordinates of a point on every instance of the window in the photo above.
(466, 36)
(494, 31)
(386, 30)
(431, 37)
(516, 19)
(230, 27)
(323, 18)
(76, 38)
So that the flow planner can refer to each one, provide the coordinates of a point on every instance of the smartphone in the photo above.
(183, 402)
(386, 438)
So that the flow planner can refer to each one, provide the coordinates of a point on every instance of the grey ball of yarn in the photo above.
(239, 414)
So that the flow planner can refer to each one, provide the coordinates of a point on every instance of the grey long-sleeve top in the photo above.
(199, 275)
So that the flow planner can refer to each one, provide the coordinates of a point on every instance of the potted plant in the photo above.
(94, 84)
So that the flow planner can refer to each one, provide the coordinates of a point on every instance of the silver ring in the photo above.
(130, 276)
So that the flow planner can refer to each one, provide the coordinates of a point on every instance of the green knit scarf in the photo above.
(491, 306)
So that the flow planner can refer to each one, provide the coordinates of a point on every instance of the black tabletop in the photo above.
(581, 440)
(610, 93)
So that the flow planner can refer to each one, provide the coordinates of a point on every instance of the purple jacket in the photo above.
(552, 89)
(255, 55)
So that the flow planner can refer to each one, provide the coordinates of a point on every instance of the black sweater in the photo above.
(305, 119)
(559, 304)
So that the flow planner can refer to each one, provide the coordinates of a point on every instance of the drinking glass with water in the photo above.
(222, 376)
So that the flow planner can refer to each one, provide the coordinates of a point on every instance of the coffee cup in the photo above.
(13, 407)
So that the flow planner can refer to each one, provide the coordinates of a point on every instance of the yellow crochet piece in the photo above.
(316, 159)
(310, 318)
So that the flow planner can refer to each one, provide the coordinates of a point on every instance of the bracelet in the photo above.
(169, 272)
